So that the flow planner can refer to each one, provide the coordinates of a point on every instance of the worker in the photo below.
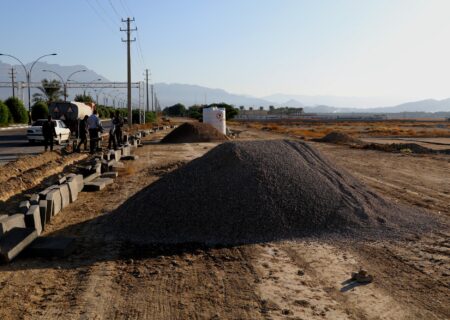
(112, 136)
(49, 132)
(118, 122)
(83, 131)
(95, 128)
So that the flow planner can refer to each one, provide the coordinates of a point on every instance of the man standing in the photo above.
(82, 133)
(95, 127)
(118, 124)
(112, 136)
(48, 131)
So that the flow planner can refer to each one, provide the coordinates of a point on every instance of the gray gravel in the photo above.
(253, 191)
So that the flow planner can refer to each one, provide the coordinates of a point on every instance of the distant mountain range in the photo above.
(169, 94)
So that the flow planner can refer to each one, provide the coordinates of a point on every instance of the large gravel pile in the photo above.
(251, 191)
(194, 132)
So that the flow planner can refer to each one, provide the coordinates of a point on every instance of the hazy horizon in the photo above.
(382, 52)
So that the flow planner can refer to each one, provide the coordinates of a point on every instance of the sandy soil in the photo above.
(303, 279)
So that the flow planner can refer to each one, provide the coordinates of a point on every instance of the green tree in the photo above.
(83, 98)
(5, 115)
(176, 110)
(39, 111)
(230, 110)
(18, 112)
(51, 91)
(196, 112)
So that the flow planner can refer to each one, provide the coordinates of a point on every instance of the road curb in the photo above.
(14, 127)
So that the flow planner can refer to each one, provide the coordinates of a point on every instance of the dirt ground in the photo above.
(302, 279)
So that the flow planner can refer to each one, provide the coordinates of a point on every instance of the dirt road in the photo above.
(304, 279)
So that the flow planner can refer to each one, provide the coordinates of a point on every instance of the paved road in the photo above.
(14, 143)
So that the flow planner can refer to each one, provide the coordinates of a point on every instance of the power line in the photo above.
(128, 12)
(101, 17)
(114, 21)
(114, 9)
(140, 49)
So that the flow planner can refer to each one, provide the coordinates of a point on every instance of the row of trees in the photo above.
(12, 110)
(107, 112)
(196, 111)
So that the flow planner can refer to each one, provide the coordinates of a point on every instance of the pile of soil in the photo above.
(253, 191)
(194, 132)
(339, 138)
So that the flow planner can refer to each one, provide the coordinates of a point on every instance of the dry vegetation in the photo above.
(313, 129)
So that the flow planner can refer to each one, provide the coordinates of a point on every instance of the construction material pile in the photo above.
(252, 191)
(194, 132)
(339, 138)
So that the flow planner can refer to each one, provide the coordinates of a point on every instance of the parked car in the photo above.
(34, 133)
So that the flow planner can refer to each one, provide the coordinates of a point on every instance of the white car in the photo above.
(34, 133)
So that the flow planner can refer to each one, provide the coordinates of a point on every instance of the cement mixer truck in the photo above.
(71, 113)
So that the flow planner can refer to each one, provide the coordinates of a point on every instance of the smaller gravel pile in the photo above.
(339, 138)
(194, 132)
(256, 191)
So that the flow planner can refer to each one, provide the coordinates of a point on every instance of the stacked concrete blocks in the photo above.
(98, 184)
(77, 179)
(10, 222)
(54, 203)
(43, 212)
(16, 240)
(33, 219)
(34, 199)
(24, 206)
(65, 195)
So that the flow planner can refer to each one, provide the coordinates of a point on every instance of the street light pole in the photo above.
(68, 79)
(64, 82)
(28, 73)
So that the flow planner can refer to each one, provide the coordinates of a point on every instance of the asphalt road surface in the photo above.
(14, 143)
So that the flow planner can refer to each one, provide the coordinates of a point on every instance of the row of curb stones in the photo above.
(20, 230)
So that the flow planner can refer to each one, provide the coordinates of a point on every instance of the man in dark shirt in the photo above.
(83, 133)
(95, 127)
(49, 132)
(118, 124)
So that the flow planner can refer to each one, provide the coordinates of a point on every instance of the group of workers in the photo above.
(89, 125)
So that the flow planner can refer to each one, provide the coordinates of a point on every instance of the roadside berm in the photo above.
(256, 191)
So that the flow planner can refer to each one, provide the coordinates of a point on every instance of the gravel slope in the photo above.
(252, 191)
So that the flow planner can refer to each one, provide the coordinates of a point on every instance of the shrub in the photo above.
(17, 110)
(149, 117)
(39, 111)
(5, 115)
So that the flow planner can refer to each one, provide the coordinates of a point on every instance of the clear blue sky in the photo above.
(379, 48)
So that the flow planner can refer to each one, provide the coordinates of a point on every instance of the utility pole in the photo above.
(13, 73)
(128, 30)
(146, 85)
(152, 99)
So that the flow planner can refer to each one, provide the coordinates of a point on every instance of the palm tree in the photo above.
(50, 91)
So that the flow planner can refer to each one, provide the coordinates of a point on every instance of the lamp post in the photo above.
(28, 73)
(65, 82)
